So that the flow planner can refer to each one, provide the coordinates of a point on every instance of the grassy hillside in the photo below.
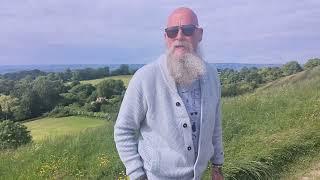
(124, 78)
(267, 134)
(269, 130)
(49, 127)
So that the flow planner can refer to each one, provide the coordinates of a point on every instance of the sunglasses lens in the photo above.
(188, 30)
(172, 32)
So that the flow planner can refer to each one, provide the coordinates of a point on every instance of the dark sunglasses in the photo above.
(187, 30)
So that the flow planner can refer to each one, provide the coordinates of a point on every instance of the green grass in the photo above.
(124, 78)
(49, 127)
(304, 167)
(267, 134)
(269, 131)
(90, 154)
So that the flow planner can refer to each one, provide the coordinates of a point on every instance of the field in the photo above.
(270, 134)
(124, 78)
(51, 127)
(87, 153)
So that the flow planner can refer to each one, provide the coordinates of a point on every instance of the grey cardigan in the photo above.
(150, 134)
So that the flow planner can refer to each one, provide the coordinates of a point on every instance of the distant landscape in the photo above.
(59, 125)
(62, 67)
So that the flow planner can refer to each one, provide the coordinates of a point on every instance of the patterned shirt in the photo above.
(191, 97)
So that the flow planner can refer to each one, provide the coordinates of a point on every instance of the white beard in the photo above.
(187, 68)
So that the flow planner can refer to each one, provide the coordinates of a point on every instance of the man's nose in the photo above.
(180, 35)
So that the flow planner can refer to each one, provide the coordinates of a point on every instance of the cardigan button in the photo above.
(189, 148)
(185, 125)
(178, 104)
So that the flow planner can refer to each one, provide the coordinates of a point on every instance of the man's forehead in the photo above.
(182, 18)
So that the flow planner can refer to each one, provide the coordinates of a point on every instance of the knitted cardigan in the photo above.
(153, 132)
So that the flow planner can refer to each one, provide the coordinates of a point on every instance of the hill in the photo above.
(124, 78)
(267, 134)
(270, 130)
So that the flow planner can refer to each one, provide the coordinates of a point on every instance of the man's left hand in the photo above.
(217, 173)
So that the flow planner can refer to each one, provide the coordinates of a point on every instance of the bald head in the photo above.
(181, 15)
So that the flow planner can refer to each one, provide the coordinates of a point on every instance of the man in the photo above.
(169, 124)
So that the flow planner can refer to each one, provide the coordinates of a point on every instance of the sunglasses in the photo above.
(187, 30)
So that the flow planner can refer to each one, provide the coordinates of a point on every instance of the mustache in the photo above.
(184, 44)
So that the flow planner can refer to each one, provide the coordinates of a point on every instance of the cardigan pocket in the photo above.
(170, 162)
(149, 157)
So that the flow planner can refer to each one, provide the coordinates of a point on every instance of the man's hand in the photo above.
(217, 173)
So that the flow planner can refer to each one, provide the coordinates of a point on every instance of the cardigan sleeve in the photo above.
(218, 156)
(131, 114)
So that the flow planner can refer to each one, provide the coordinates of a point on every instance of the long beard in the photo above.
(186, 68)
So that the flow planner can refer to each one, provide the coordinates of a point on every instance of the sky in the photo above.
(131, 32)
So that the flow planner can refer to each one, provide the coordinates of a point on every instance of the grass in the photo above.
(124, 78)
(267, 134)
(305, 167)
(90, 154)
(49, 127)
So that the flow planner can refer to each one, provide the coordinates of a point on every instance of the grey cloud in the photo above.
(237, 30)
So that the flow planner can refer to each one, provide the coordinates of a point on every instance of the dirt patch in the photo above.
(313, 174)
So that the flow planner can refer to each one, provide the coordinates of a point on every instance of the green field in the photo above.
(268, 134)
(50, 127)
(89, 153)
(124, 78)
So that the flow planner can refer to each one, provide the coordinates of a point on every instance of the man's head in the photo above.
(186, 20)
(182, 37)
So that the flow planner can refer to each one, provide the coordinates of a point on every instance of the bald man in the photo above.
(169, 123)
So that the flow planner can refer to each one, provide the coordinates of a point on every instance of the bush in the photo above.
(312, 63)
(13, 134)
(60, 111)
(112, 105)
(73, 110)
(92, 107)
(108, 88)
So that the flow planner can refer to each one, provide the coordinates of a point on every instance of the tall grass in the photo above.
(267, 131)
(91, 154)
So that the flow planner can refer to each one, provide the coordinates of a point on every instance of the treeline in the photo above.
(247, 79)
(29, 94)
(28, 98)
(36, 94)
(71, 75)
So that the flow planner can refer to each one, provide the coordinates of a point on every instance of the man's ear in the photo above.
(200, 33)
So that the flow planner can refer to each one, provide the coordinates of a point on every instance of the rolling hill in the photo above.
(267, 134)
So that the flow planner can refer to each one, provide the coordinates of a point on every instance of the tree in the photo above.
(67, 74)
(13, 134)
(109, 87)
(83, 91)
(48, 92)
(2, 116)
(8, 105)
(291, 67)
(6, 86)
(122, 70)
(29, 107)
(312, 63)
(22, 86)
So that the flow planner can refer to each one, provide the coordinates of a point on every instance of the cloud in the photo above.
(100, 31)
